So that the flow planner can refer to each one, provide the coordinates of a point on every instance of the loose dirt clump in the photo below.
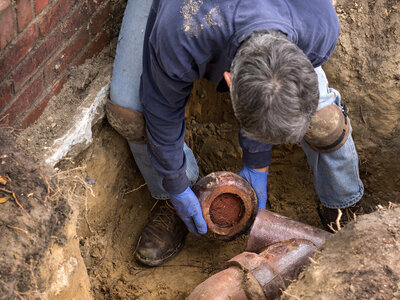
(32, 218)
(359, 262)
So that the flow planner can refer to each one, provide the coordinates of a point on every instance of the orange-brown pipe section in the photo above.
(269, 228)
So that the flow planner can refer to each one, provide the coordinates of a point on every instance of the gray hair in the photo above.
(274, 88)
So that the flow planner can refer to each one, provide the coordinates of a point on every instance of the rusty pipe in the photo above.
(228, 202)
(269, 228)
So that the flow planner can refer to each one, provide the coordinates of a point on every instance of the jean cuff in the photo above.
(353, 200)
(161, 197)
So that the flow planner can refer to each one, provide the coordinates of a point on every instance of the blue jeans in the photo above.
(336, 174)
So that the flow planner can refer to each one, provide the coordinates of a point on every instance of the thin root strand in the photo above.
(13, 194)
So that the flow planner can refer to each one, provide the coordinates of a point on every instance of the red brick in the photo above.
(38, 109)
(29, 66)
(23, 100)
(39, 5)
(24, 13)
(50, 19)
(78, 18)
(4, 4)
(6, 93)
(101, 18)
(58, 64)
(17, 51)
(7, 31)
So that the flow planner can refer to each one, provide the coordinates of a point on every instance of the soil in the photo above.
(31, 219)
(115, 203)
(365, 68)
(356, 263)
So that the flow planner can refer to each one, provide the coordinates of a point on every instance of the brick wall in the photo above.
(39, 40)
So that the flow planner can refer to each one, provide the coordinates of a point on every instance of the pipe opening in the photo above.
(226, 210)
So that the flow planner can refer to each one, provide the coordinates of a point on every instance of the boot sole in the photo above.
(155, 263)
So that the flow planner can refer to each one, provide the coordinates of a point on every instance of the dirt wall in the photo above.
(40, 256)
(365, 67)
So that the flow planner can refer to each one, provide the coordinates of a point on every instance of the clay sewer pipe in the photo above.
(228, 202)
(229, 205)
(269, 228)
(257, 276)
(286, 246)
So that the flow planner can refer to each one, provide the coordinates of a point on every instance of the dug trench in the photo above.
(102, 203)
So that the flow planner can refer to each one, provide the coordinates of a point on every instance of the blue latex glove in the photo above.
(258, 180)
(188, 208)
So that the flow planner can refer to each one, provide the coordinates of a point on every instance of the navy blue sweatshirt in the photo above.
(189, 39)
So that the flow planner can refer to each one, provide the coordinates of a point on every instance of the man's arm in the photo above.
(165, 127)
(164, 97)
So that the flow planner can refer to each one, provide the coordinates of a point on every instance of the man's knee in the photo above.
(329, 129)
(127, 122)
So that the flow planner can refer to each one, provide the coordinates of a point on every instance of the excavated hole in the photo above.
(114, 211)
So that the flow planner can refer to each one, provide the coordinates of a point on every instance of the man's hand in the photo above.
(258, 180)
(188, 208)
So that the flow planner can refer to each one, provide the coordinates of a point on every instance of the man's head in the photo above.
(274, 88)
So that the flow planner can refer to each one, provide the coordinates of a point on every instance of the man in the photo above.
(270, 54)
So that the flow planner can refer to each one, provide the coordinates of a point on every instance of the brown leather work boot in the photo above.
(334, 219)
(163, 236)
